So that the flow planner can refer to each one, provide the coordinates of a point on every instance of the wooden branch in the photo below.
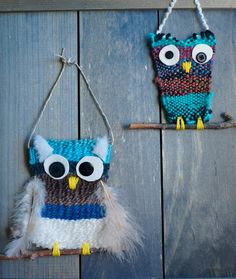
(44, 253)
(228, 122)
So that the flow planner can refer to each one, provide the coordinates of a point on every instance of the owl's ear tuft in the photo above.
(101, 148)
(42, 147)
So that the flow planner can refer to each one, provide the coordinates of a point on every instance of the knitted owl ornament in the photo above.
(183, 73)
(67, 204)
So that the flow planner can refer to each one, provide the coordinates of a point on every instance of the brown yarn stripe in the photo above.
(184, 85)
(58, 192)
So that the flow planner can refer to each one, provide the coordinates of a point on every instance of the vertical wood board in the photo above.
(114, 55)
(200, 169)
(29, 42)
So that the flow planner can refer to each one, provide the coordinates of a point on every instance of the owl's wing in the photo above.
(121, 235)
(27, 203)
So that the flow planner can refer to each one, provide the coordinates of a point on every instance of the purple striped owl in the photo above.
(183, 74)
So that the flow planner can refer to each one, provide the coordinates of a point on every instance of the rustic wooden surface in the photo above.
(28, 68)
(69, 5)
(113, 53)
(199, 170)
(194, 171)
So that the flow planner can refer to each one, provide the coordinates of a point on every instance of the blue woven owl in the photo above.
(183, 71)
(67, 204)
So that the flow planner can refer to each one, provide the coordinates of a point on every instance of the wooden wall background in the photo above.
(181, 186)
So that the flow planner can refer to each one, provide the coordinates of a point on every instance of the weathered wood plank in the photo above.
(114, 55)
(66, 5)
(199, 170)
(28, 69)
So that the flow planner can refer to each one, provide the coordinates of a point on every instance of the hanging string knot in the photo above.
(68, 61)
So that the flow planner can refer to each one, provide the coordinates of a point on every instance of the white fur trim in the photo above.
(69, 234)
(43, 148)
(101, 148)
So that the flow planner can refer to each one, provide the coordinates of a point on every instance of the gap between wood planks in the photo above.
(228, 122)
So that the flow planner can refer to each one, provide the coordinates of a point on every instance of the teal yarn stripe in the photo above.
(72, 150)
(189, 106)
(181, 43)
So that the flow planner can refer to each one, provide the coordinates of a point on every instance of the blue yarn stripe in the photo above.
(73, 212)
(161, 70)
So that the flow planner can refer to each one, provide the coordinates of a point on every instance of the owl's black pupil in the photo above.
(56, 169)
(86, 169)
(201, 57)
(169, 54)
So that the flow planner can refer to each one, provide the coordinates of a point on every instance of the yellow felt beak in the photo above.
(73, 181)
(187, 66)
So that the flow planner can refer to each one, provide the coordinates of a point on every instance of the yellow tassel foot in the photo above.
(56, 250)
(85, 249)
(200, 125)
(180, 125)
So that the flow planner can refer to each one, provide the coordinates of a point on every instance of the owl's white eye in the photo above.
(202, 53)
(169, 55)
(90, 168)
(56, 166)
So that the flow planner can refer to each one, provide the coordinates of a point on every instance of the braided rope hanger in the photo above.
(169, 11)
